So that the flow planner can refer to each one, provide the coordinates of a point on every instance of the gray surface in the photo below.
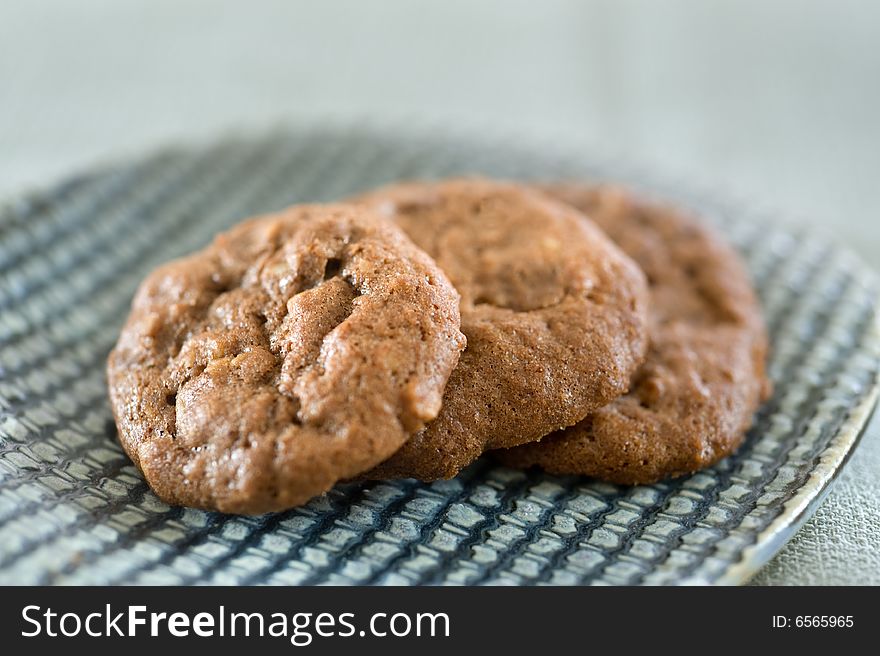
(774, 104)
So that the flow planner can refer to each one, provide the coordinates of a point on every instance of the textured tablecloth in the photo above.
(93, 80)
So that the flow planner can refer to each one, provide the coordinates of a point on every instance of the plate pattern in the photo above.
(73, 509)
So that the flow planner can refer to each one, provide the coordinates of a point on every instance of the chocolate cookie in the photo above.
(693, 399)
(554, 314)
(296, 350)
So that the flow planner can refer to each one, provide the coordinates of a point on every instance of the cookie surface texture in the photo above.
(693, 400)
(296, 350)
(555, 317)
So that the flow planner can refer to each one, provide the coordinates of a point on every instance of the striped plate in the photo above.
(73, 509)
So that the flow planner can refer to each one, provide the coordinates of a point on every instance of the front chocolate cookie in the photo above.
(554, 314)
(692, 401)
(296, 350)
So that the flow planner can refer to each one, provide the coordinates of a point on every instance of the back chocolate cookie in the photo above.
(693, 400)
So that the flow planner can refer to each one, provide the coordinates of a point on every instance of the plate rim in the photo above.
(807, 500)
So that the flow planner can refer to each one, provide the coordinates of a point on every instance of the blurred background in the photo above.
(776, 102)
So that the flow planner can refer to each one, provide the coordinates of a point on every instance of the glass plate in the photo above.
(73, 509)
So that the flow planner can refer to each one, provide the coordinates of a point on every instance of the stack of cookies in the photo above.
(405, 332)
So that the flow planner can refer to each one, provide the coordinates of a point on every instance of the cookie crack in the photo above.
(311, 318)
(332, 268)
